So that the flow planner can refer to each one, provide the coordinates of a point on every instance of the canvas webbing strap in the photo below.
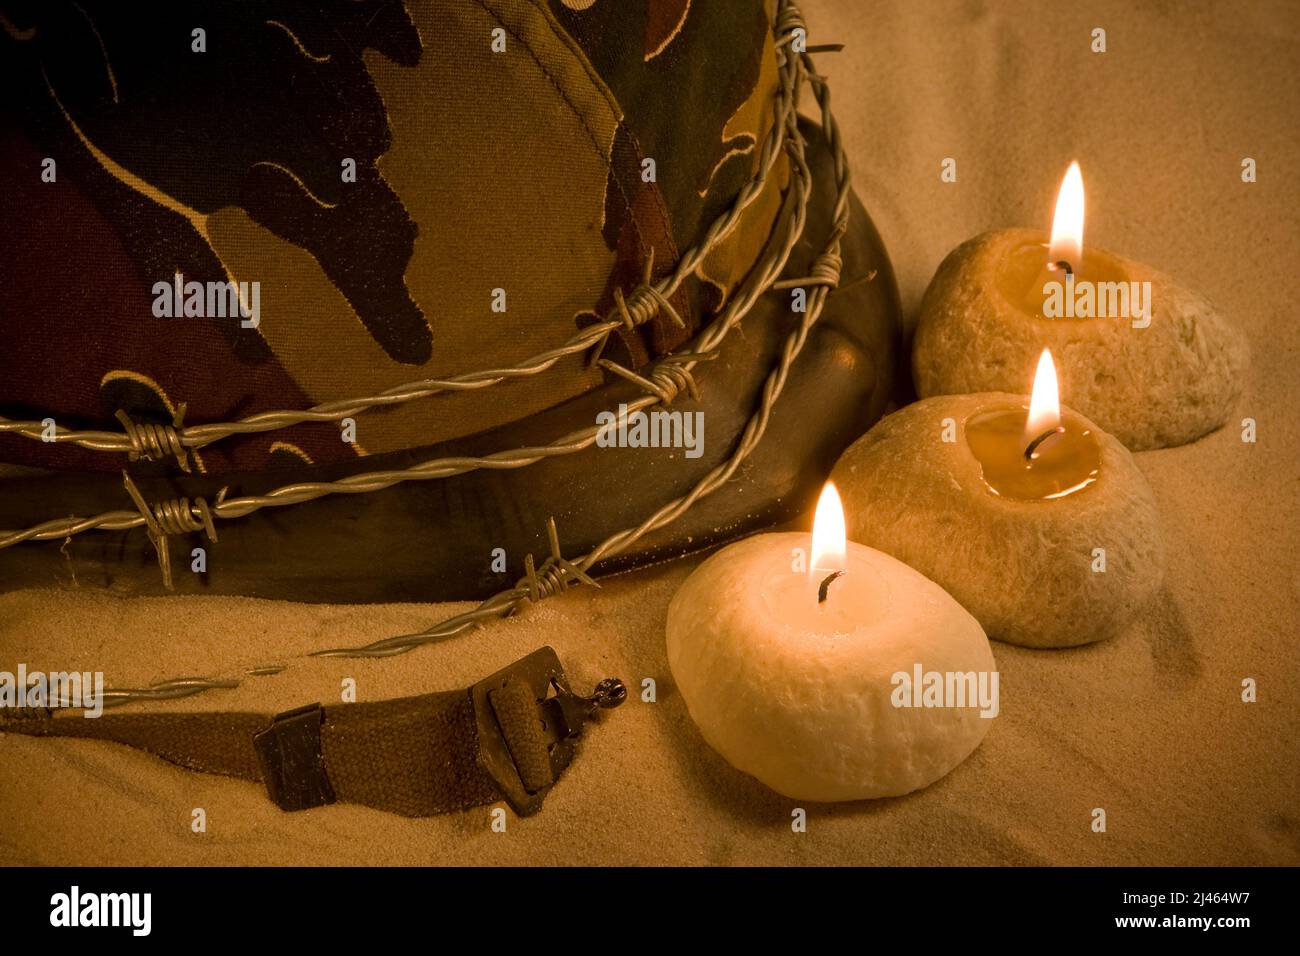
(508, 737)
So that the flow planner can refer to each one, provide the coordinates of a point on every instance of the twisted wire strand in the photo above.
(666, 380)
(142, 443)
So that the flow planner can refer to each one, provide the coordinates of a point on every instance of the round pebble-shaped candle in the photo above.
(1152, 381)
(1060, 550)
(805, 695)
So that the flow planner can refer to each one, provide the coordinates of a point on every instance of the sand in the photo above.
(1149, 725)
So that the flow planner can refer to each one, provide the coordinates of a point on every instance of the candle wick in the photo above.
(1034, 445)
(1062, 264)
(825, 585)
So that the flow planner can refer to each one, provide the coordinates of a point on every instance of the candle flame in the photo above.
(828, 537)
(1067, 223)
(1044, 402)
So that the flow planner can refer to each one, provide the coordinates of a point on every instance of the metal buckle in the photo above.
(561, 712)
(293, 767)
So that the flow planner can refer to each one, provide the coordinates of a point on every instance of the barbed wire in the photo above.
(664, 382)
(153, 441)
(558, 573)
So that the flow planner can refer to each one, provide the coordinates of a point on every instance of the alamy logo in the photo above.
(75, 908)
(1082, 299)
(55, 689)
(946, 689)
(208, 300)
(657, 429)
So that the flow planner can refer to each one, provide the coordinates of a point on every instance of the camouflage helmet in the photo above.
(401, 254)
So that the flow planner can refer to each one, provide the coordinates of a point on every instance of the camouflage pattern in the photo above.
(475, 170)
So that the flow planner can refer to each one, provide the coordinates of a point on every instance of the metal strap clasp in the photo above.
(293, 767)
(561, 712)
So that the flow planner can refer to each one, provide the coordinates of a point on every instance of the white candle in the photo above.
(806, 696)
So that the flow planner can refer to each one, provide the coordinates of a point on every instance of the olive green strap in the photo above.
(508, 737)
